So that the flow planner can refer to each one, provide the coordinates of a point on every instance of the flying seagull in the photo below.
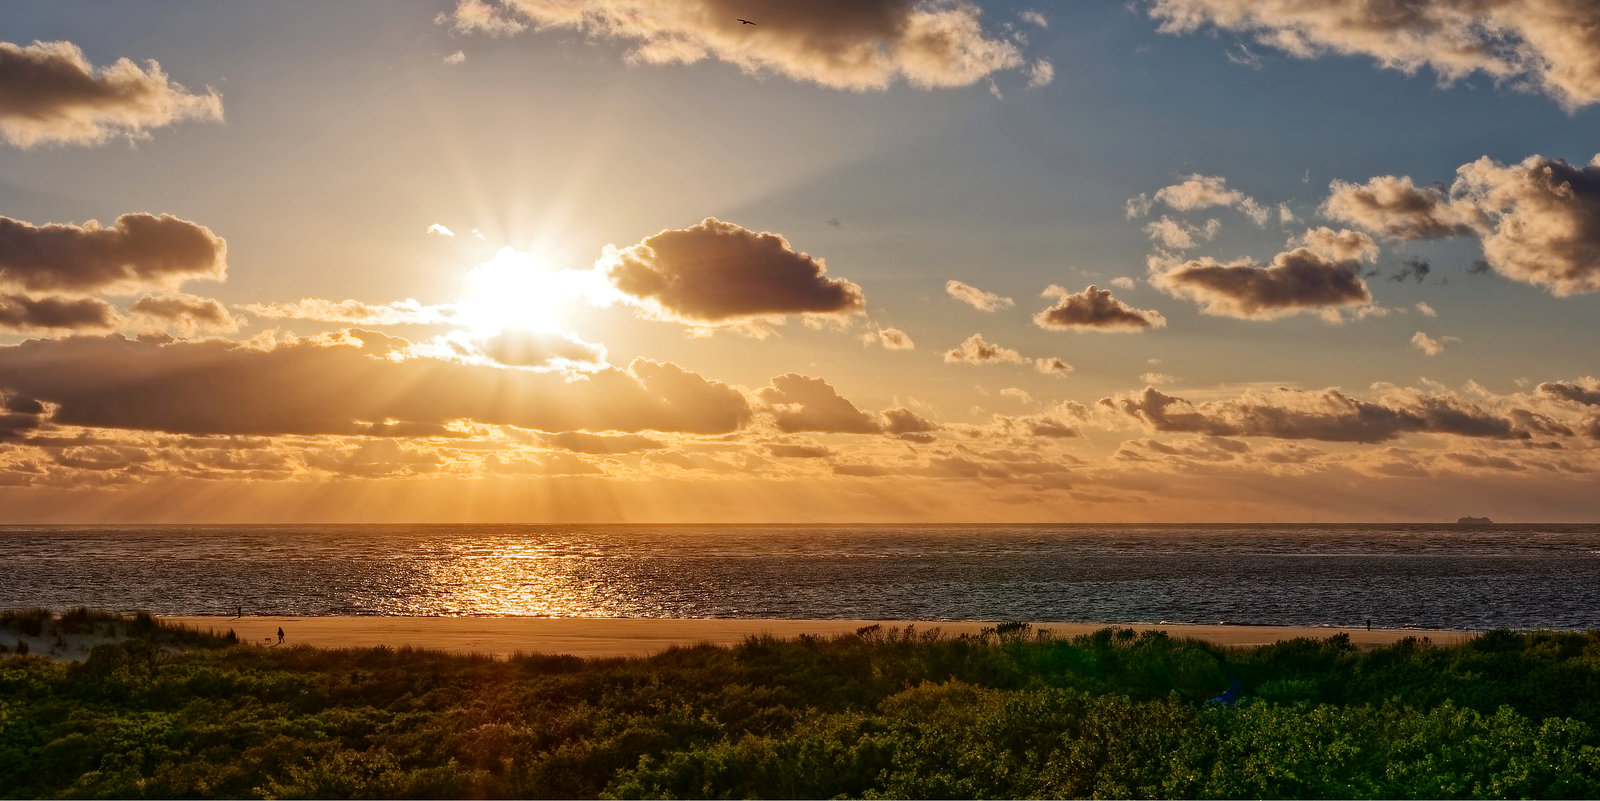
(745, 21)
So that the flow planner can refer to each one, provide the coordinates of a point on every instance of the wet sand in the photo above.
(609, 637)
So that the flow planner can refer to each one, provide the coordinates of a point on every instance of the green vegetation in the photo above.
(900, 713)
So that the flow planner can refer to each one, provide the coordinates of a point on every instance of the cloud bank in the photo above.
(1328, 415)
(331, 384)
(138, 251)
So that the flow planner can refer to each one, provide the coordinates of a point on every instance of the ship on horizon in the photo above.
(1474, 521)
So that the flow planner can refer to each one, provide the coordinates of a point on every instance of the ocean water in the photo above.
(1520, 576)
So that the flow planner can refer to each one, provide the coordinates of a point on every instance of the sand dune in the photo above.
(603, 637)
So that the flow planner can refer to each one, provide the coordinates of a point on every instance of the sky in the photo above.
(851, 261)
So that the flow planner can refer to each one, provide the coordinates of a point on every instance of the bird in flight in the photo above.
(745, 21)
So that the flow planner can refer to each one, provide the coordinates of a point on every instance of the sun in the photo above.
(516, 289)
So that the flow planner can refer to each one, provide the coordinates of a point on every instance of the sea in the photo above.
(1399, 576)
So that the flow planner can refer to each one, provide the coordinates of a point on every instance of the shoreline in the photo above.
(630, 637)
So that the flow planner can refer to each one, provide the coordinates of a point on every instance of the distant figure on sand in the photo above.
(280, 635)
(241, 612)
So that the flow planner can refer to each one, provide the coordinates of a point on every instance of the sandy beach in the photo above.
(610, 637)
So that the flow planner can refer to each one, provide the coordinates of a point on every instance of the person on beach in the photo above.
(280, 635)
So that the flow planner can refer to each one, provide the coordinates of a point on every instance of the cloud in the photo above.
(1093, 309)
(903, 422)
(597, 444)
(1052, 365)
(1017, 392)
(455, 58)
(1395, 208)
(789, 451)
(1328, 415)
(976, 350)
(189, 313)
(843, 44)
(402, 312)
(439, 230)
(20, 415)
(330, 384)
(894, 339)
(1199, 192)
(1539, 220)
(1413, 269)
(717, 273)
(1544, 220)
(1342, 245)
(1042, 73)
(1425, 310)
(138, 251)
(1297, 280)
(24, 314)
(1175, 235)
(1426, 344)
(1547, 46)
(801, 403)
(1584, 391)
(977, 298)
(518, 347)
(51, 94)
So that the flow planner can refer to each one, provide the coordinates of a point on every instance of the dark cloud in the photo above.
(21, 313)
(977, 350)
(138, 251)
(1328, 415)
(1093, 309)
(51, 94)
(1298, 280)
(1412, 269)
(1394, 207)
(717, 272)
(1584, 391)
(1545, 217)
(1541, 45)
(1539, 220)
(331, 384)
(187, 312)
(20, 415)
(902, 422)
(844, 44)
(801, 403)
